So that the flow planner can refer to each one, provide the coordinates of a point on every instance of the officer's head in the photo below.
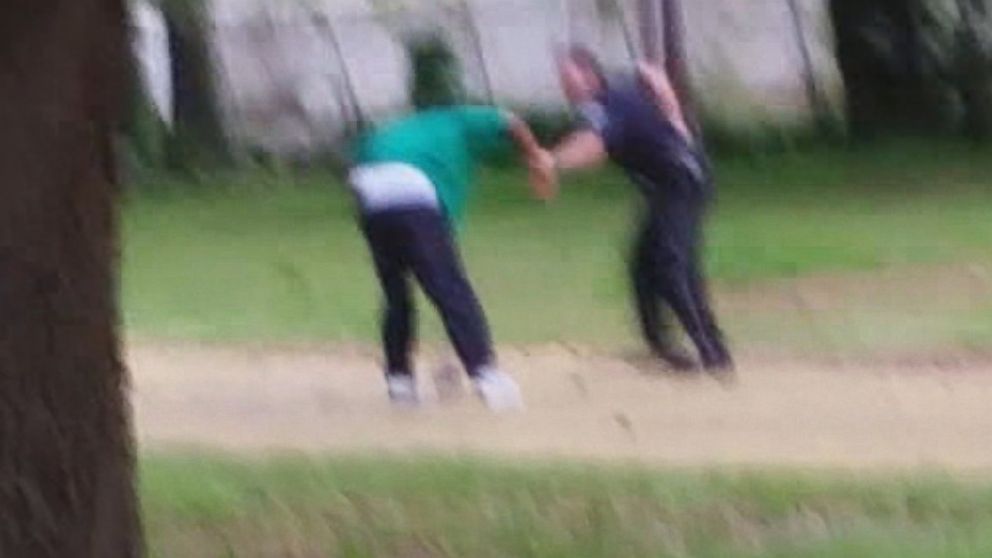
(582, 76)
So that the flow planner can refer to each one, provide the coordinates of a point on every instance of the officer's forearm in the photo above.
(580, 150)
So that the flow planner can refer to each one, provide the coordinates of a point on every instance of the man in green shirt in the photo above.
(412, 178)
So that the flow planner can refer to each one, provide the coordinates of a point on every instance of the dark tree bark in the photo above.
(858, 64)
(974, 68)
(198, 137)
(894, 78)
(142, 127)
(649, 18)
(66, 461)
(817, 102)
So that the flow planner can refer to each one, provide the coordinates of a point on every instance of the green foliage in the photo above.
(918, 66)
(974, 68)
(764, 140)
(265, 256)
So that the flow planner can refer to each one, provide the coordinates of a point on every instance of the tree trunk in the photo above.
(974, 69)
(475, 34)
(198, 137)
(817, 102)
(893, 83)
(858, 65)
(628, 39)
(649, 17)
(143, 128)
(357, 119)
(66, 461)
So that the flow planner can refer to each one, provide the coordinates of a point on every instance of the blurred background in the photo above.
(850, 249)
(288, 78)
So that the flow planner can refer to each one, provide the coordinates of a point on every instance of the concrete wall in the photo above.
(285, 67)
(747, 64)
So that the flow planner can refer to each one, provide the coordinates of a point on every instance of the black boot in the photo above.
(720, 363)
(674, 358)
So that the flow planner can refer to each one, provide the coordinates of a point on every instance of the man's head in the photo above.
(435, 72)
(581, 74)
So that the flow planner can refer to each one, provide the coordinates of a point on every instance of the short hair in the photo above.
(583, 57)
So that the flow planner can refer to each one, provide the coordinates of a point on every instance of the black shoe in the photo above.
(675, 359)
(722, 368)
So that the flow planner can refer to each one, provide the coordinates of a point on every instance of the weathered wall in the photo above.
(747, 63)
(286, 68)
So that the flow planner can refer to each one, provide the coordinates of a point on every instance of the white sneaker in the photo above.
(499, 391)
(402, 390)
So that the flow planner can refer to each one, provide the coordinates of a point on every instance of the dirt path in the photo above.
(579, 405)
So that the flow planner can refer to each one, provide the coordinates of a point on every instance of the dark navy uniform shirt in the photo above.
(640, 138)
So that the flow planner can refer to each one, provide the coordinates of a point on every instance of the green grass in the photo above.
(425, 508)
(276, 257)
(270, 257)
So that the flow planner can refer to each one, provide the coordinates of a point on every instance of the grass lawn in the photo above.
(262, 257)
(420, 508)
(265, 257)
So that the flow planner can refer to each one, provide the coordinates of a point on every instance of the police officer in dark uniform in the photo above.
(639, 125)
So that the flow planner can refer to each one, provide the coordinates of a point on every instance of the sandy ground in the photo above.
(779, 411)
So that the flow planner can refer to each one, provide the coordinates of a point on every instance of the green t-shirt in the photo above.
(445, 143)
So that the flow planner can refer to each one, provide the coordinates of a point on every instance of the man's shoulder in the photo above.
(625, 93)
(594, 114)
(615, 105)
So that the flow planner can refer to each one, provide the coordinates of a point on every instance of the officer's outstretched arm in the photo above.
(665, 96)
(543, 180)
(582, 149)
